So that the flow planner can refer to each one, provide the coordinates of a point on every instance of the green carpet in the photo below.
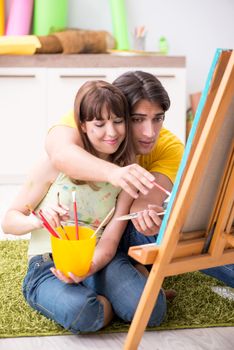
(195, 305)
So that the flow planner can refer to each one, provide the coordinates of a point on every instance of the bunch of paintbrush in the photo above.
(45, 222)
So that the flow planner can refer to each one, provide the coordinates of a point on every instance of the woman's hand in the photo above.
(72, 278)
(56, 213)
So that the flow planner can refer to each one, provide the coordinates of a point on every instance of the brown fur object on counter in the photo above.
(49, 44)
(74, 41)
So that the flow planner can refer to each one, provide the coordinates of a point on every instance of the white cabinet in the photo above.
(35, 91)
(63, 84)
(23, 114)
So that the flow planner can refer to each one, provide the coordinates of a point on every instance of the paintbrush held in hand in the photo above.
(46, 224)
(134, 215)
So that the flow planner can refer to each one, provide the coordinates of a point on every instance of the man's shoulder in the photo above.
(167, 140)
(68, 120)
(165, 156)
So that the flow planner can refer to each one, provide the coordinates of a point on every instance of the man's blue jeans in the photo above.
(122, 284)
(76, 307)
(132, 237)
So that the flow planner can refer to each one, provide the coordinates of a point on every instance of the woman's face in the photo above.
(146, 122)
(105, 135)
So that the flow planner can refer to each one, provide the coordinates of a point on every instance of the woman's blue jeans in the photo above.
(132, 237)
(76, 307)
(73, 306)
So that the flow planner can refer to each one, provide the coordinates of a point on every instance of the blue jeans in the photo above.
(76, 307)
(122, 284)
(223, 273)
(132, 237)
(73, 306)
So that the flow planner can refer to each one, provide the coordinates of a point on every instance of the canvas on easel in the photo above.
(197, 230)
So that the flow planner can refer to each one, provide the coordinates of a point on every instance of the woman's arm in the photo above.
(108, 243)
(17, 219)
(112, 233)
(64, 148)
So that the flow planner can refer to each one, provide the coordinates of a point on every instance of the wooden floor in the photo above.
(190, 339)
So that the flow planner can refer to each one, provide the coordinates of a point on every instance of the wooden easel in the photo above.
(198, 230)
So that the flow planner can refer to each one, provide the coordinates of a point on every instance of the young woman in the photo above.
(101, 114)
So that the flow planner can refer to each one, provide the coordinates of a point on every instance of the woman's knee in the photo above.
(87, 318)
(108, 311)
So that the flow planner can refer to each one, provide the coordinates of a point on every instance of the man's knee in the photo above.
(157, 315)
(159, 311)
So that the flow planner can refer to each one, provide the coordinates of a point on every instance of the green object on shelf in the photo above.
(119, 22)
(163, 45)
(49, 16)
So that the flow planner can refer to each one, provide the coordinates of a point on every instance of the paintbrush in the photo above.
(44, 221)
(104, 221)
(165, 203)
(48, 226)
(161, 188)
(134, 215)
(62, 227)
(75, 213)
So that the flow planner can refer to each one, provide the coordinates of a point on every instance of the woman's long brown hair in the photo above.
(91, 99)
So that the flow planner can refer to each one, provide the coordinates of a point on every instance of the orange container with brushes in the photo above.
(73, 255)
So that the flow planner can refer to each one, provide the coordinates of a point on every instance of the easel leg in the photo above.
(144, 309)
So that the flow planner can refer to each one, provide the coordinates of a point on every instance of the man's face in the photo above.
(146, 122)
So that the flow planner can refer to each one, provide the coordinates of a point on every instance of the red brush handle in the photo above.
(47, 225)
(161, 188)
(76, 221)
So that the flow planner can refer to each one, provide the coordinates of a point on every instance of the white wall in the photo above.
(194, 28)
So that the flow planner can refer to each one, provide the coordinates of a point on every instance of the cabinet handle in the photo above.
(83, 76)
(165, 75)
(17, 76)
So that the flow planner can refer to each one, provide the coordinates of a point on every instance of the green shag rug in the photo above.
(195, 305)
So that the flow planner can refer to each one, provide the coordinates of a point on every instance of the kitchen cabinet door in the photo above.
(22, 120)
(63, 84)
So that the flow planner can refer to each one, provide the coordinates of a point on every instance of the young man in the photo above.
(158, 151)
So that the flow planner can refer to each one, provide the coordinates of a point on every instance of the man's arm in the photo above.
(148, 222)
(64, 147)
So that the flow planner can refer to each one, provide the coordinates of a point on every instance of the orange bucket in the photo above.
(73, 255)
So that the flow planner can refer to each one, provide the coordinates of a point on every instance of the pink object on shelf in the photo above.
(2, 19)
(20, 16)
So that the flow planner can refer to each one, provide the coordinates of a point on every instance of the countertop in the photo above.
(91, 60)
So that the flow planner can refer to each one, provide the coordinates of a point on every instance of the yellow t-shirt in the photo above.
(164, 158)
